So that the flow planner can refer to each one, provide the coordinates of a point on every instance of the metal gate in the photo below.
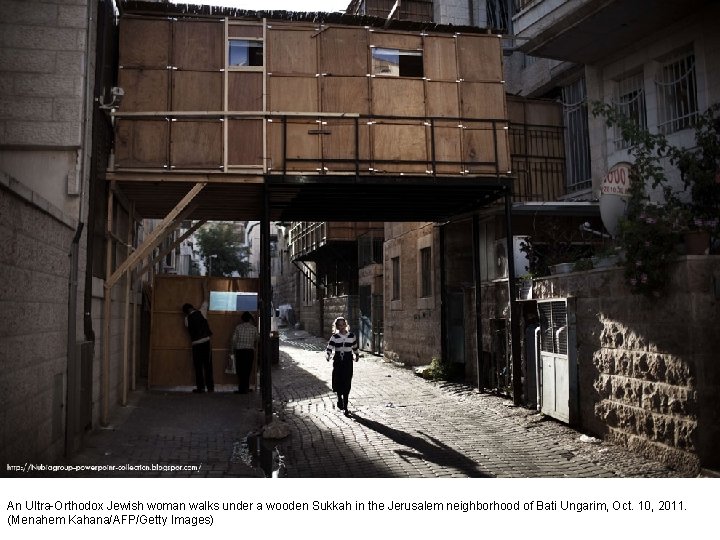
(370, 320)
(558, 360)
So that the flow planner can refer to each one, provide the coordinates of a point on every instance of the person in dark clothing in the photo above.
(199, 330)
(244, 341)
(342, 346)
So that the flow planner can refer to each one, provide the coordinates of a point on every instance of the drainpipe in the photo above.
(73, 374)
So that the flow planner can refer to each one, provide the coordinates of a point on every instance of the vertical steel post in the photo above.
(514, 311)
(477, 278)
(265, 305)
(443, 298)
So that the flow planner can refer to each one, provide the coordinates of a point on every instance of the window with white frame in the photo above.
(630, 100)
(676, 93)
(577, 141)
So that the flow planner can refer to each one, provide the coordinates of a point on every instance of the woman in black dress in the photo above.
(343, 347)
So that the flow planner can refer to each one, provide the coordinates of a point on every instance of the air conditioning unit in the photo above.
(520, 258)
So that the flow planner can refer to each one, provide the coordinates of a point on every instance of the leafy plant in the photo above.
(650, 230)
(222, 241)
(443, 371)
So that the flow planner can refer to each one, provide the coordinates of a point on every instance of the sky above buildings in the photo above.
(288, 5)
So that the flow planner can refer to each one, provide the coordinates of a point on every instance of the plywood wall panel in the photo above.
(141, 143)
(303, 142)
(482, 100)
(479, 58)
(479, 149)
(198, 46)
(398, 97)
(339, 144)
(135, 34)
(245, 142)
(292, 52)
(245, 31)
(442, 99)
(293, 94)
(345, 94)
(408, 42)
(245, 91)
(197, 91)
(439, 58)
(145, 89)
(399, 142)
(448, 147)
(196, 144)
(344, 52)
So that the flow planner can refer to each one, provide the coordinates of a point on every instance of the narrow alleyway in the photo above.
(405, 426)
(401, 426)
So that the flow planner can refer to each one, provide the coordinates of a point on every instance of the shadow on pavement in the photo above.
(431, 449)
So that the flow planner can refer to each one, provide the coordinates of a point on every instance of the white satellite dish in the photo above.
(614, 195)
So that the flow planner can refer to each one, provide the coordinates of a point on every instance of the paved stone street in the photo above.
(401, 426)
(405, 426)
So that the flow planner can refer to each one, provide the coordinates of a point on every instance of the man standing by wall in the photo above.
(199, 330)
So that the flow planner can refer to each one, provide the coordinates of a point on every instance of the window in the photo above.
(577, 142)
(397, 63)
(630, 100)
(498, 17)
(425, 272)
(232, 301)
(395, 261)
(677, 94)
(245, 53)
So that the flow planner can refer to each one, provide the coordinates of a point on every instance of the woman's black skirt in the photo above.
(342, 372)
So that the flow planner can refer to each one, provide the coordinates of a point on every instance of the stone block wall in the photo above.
(648, 370)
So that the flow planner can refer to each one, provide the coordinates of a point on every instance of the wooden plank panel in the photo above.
(339, 143)
(245, 91)
(397, 142)
(398, 97)
(198, 45)
(302, 143)
(482, 100)
(293, 94)
(442, 99)
(447, 148)
(479, 150)
(291, 52)
(135, 34)
(439, 58)
(171, 354)
(141, 143)
(245, 142)
(145, 89)
(345, 94)
(395, 41)
(244, 31)
(479, 58)
(196, 144)
(197, 91)
(344, 51)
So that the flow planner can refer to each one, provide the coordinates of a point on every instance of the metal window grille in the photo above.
(577, 142)
(497, 15)
(677, 94)
(630, 100)
(522, 4)
(553, 326)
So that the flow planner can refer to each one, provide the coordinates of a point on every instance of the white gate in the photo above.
(558, 360)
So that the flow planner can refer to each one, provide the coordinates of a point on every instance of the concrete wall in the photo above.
(648, 370)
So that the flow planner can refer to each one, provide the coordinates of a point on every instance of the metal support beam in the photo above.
(265, 306)
(514, 307)
(477, 278)
(443, 298)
